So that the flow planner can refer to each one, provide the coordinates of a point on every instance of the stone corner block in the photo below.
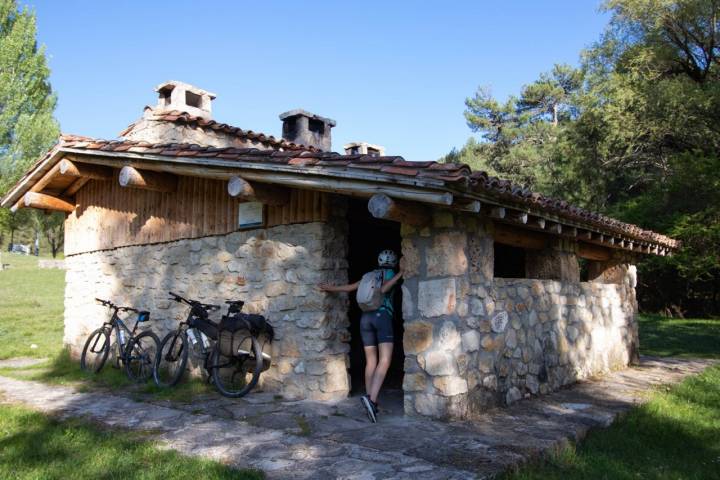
(436, 297)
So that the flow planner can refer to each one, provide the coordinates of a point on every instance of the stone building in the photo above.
(507, 293)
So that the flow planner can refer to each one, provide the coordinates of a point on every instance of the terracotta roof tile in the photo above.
(177, 116)
(459, 176)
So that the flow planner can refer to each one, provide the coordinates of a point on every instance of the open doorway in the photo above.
(368, 236)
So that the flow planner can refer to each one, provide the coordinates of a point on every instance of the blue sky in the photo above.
(391, 73)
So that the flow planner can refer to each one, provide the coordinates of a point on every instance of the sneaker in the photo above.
(370, 408)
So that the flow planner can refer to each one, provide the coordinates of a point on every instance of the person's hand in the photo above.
(324, 287)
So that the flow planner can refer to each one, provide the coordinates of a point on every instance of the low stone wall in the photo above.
(472, 341)
(274, 270)
(51, 263)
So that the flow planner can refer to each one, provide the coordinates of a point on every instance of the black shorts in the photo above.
(376, 327)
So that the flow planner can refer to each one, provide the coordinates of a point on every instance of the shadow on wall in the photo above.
(551, 334)
(273, 270)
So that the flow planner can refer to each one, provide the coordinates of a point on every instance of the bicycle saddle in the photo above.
(208, 307)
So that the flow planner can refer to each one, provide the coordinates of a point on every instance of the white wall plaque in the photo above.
(250, 214)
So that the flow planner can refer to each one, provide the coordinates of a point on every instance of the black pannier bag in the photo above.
(235, 331)
(205, 326)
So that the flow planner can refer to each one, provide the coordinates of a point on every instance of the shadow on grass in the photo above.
(63, 370)
(36, 446)
(665, 337)
(675, 435)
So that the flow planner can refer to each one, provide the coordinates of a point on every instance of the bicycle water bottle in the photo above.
(192, 336)
(205, 340)
(122, 336)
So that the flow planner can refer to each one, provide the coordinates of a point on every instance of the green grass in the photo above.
(678, 337)
(676, 435)
(34, 446)
(31, 308)
(64, 370)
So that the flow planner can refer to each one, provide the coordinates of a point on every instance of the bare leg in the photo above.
(370, 366)
(378, 377)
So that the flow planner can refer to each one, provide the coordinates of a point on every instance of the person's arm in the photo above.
(387, 286)
(326, 287)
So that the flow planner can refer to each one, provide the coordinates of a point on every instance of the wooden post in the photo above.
(47, 202)
(85, 170)
(147, 180)
(257, 192)
(383, 207)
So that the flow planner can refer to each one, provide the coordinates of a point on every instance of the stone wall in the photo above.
(472, 341)
(274, 270)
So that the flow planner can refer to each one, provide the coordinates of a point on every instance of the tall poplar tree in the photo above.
(27, 126)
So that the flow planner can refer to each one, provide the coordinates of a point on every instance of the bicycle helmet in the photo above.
(387, 258)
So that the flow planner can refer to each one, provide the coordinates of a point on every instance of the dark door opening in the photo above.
(368, 236)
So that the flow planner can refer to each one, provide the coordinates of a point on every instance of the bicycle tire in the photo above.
(172, 361)
(222, 366)
(139, 366)
(98, 335)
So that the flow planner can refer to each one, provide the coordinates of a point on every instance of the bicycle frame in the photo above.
(116, 325)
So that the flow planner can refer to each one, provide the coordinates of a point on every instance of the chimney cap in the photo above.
(363, 148)
(171, 84)
(299, 112)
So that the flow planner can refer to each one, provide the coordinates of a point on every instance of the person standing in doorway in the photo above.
(376, 330)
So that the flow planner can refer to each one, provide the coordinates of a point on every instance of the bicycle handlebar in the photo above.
(193, 303)
(108, 303)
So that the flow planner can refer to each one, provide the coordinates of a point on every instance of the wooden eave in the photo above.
(45, 178)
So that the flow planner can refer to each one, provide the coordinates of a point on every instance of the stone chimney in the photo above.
(300, 126)
(174, 95)
(364, 148)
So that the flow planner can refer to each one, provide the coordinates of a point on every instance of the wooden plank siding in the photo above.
(109, 216)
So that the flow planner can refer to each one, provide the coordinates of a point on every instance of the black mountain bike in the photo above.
(233, 375)
(135, 352)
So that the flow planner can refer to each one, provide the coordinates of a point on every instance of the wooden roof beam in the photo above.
(584, 234)
(516, 216)
(569, 231)
(466, 205)
(47, 202)
(497, 213)
(147, 180)
(84, 170)
(593, 252)
(536, 222)
(519, 237)
(385, 208)
(553, 227)
(265, 193)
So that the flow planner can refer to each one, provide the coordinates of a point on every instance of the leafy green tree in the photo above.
(634, 132)
(27, 127)
(50, 225)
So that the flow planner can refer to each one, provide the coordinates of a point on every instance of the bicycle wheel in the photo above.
(140, 356)
(171, 359)
(235, 376)
(95, 352)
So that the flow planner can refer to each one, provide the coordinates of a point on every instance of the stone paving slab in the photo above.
(303, 439)
(21, 362)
